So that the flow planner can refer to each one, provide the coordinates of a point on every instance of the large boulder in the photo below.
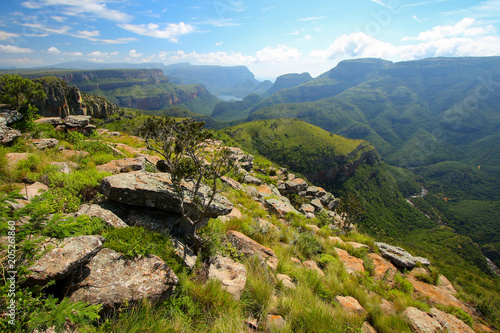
(399, 257)
(8, 135)
(382, 269)
(449, 322)
(247, 246)
(77, 121)
(232, 274)
(10, 117)
(351, 264)
(156, 190)
(350, 304)
(279, 206)
(111, 280)
(420, 322)
(63, 258)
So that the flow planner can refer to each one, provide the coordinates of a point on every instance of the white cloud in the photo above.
(22, 61)
(53, 50)
(100, 54)
(307, 37)
(279, 54)
(6, 35)
(87, 34)
(134, 54)
(308, 19)
(94, 8)
(171, 31)
(381, 3)
(218, 43)
(59, 19)
(14, 49)
(466, 27)
(417, 19)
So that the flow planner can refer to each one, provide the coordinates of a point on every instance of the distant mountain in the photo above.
(146, 89)
(437, 117)
(288, 81)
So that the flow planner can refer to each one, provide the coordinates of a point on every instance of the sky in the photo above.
(270, 37)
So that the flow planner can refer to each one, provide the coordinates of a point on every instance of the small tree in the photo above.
(188, 158)
(21, 93)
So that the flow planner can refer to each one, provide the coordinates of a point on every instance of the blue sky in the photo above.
(269, 37)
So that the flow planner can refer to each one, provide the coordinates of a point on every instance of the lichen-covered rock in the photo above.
(42, 144)
(106, 215)
(449, 322)
(399, 257)
(351, 264)
(111, 280)
(8, 135)
(247, 246)
(155, 190)
(295, 185)
(9, 117)
(77, 121)
(64, 258)
(350, 304)
(232, 274)
(232, 183)
(382, 269)
(420, 322)
(280, 207)
(54, 121)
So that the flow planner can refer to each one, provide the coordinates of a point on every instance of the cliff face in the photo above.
(126, 74)
(63, 100)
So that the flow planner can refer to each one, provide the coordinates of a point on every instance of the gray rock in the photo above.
(77, 121)
(106, 215)
(295, 185)
(232, 183)
(11, 116)
(286, 280)
(279, 207)
(158, 220)
(54, 121)
(247, 246)
(251, 180)
(64, 258)
(45, 143)
(232, 274)
(420, 322)
(61, 167)
(185, 253)
(8, 135)
(111, 280)
(398, 256)
(123, 165)
(155, 190)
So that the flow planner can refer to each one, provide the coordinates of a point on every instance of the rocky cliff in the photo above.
(63, 100)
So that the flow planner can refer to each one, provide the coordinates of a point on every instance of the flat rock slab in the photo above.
(437, 295)
(351, 264)
(64, 258)
(106, 215)
(77, 121)
(232, 183)
(351, 304)
(33, 190)
(156, 190)
(249, 247)
(232, 274)
(382, 269)
(123, 165)
(420, 322)
(449, 322)
(112, 280)
(399, 257)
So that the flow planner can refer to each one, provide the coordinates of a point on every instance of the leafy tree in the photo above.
(190, 161)
(21, 93)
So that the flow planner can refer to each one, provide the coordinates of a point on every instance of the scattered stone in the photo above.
(420, 322)
(14, 158)
(356, 245)
(33, 190)
(231, 274)
(311, 264)
(114, 134)
(478, 327)
(150, 158)
(449, 322)
(155, 190)
(265, 225)
(286, 280)
(336, 240)
(266, 190)
(251, 180)
(295, 185)
(42, 144)
(313, 228)
(351, 264)
(63, 258)
(252, 191)
(8, 135)
(399, 257)
(74, 153)
(61, 167)
(295, 260)
(317, 205)
(279, 207)
(232, 183)
(128, 149)
(234, 215)
(275, 322)
(382, 269)
(158, 220)
(351, 304)
(123, 165)
(249, 247)
(110, 279)
(106, 215)
(387, 307)
(307, 208)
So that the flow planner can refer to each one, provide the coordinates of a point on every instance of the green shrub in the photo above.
(326, 259)
(81, 183)
(259, 288)
(403, 284)
(308, 245)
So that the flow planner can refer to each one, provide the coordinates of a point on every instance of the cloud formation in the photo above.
(170, 32)
(14, 49)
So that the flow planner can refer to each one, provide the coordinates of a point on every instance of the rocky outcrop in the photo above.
(449, 322)
(351, 264)
(288, 81)
(232, 274)
(63, 258)
(382, 269)
(110, 279)
(155, 190)
(420, 322)
(106, 215)
(399, 257)
(63, 100)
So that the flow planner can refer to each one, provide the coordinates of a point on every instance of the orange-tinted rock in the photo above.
(478, 327)
(445, 284)
(336, 240)
(436, 295)
(367, 328)
(123, 165)
(233, 215)
(351, 304)
(351, 264)
(387, 307)
(357, 245)
(449, 322)
(14, 158)
(421, 322)
(295, 261)
(311, 264)
(382, 268)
